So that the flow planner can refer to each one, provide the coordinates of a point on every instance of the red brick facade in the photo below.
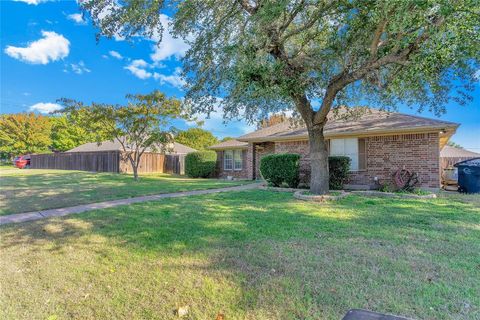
(415, 152)
(384, 155)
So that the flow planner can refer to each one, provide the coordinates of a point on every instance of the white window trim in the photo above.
(225, 160)
(238, 151)
(232, 160)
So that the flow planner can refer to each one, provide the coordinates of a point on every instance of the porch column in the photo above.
(251, 161)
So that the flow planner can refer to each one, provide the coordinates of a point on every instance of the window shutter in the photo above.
(244, 159)
(362, 154)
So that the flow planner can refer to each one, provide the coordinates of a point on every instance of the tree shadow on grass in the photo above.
(292, 259)
(56, 190)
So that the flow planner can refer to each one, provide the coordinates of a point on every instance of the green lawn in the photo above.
(30, 190)
(248, 255)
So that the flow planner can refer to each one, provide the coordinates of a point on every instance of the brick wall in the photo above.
(415, 152)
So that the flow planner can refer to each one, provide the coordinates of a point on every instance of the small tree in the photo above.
(138, 126)
(196, 138)
(24, 133)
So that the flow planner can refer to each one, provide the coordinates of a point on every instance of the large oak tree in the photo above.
(263, 56)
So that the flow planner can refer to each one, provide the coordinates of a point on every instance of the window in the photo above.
(232, 160)
(237, 159)
(353, 148)
(228, 160)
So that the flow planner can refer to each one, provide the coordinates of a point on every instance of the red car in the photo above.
(22, 162)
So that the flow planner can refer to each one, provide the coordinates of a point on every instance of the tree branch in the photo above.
(245, 4)
(308, 24)
(376, 38)
(343, 79)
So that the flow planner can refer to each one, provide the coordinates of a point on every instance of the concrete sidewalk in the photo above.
(36, 215)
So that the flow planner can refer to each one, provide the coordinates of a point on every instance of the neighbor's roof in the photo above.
(230, 144)
(371, 121)
(454, 152)
(177, 148)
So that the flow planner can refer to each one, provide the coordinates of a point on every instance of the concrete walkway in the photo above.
(36, 215)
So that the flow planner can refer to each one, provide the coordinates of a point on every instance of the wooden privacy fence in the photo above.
(446, 162)
(108, 161)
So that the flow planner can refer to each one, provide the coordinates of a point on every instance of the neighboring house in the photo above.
(378, 143)
(451, 155)
(174, 148)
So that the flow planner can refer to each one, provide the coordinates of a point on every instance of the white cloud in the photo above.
(34, 2)
(79, 68)
(45, 107)
(174, 79)
(77, 18)
(476, 75)
(115, 54)
(51, 47)
(169, 46)
(138, 69)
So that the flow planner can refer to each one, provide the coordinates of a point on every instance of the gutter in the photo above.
(445, 128)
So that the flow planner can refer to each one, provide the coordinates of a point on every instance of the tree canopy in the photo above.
(24, 133)
(67, 132)
(196, 138)
(258, 57)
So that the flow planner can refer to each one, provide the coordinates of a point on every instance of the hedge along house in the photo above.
(377, 142)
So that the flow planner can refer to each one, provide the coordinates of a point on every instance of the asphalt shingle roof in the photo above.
(177, 148)
(453, 152)
(230, 144)
(371, 121)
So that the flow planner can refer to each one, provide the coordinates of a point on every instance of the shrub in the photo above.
(281, 168)
(338, 167)
(200, 164)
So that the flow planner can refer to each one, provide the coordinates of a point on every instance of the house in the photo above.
(451, 155)
(377, 142)
(175, 148)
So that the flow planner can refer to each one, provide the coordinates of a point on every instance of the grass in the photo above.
(248, 255)
(31, 190)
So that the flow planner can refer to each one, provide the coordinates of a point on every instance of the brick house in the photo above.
(377, 142)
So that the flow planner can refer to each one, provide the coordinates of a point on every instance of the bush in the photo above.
(281, 168)
(200, 164)
(338, 167)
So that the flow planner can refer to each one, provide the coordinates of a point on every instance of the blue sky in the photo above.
(49, 51)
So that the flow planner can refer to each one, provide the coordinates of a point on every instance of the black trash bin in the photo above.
(469, 175)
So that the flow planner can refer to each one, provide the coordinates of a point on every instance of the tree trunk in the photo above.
(318, 161)
(135, 172)
(134, 168)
